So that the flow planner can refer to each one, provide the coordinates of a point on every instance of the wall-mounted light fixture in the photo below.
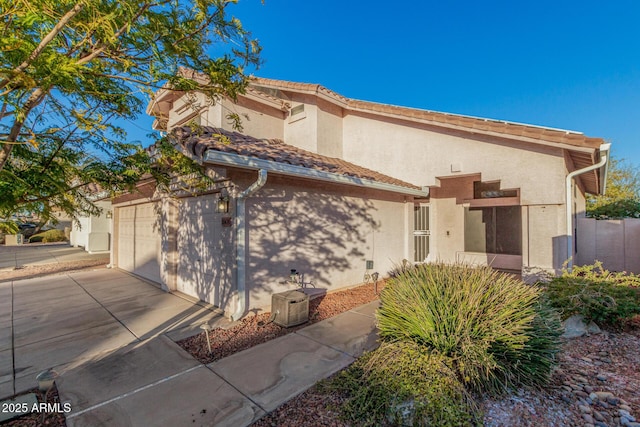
(109, 214)
(223, 204)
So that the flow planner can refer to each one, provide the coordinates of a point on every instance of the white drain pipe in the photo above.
(604, 158)
(241, 246)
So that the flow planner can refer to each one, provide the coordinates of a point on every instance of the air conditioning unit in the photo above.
(291, 308)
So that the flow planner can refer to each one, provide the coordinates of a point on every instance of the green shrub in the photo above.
(497, 330)
(401, 383)
(602, 296)
(9, 227)
(49, 236)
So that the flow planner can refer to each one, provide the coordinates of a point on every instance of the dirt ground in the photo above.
(30, 271)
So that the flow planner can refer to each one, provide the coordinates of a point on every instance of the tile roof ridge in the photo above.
(314, 87)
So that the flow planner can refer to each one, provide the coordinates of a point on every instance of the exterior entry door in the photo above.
(421, 233)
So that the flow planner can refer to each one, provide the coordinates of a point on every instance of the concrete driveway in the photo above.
(110, 337)
(62, 321)
(39, 254)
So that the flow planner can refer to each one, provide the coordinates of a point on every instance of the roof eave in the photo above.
(247, 162)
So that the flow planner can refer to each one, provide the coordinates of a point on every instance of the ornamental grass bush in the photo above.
(49, 236)
(402, 384)
(607, 298)
(497, 331)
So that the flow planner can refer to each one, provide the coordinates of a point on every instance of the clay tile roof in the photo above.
(197, 141)
(505, 128)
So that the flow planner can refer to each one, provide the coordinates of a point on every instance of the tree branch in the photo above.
(44, 42)
(35, 98)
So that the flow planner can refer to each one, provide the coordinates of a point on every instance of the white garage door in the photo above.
(198, 238)
(139, 241)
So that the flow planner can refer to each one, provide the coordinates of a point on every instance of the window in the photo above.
(496, 230)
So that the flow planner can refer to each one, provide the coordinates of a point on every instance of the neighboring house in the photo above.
(93, 232)
(337, 188)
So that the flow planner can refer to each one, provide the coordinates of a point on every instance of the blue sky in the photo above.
(565, 64)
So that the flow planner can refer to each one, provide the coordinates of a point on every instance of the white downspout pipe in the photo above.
(241, 246)
(604, 158)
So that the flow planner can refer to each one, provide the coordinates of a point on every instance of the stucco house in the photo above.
(337, 188)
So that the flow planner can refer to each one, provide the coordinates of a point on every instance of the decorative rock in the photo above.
(613, 400)
(603, 395)
(587, 418)
(581, 394)
(567, 388)
(603, 404)
(580, 379)
(625, 408)
(575, 326)
(624, 413)
(600, 424)
(593, 396)
(598, 416)
(584, 409)
(588, 389)
(633, 424)
(601, 377)
(586, 359)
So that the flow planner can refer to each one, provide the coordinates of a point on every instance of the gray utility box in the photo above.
(291, 308)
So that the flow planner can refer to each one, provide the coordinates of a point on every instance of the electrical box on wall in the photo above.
(227, 221)
(369, 264)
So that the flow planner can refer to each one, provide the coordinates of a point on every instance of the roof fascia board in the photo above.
(478, 131)
(246, 162)
(258, 97)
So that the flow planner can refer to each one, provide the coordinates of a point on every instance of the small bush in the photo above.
(497, 330)
(401, 383)
(49, 236)
(602, 296)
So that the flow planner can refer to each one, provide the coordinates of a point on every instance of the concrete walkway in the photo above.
(39, 254)
(130, 373)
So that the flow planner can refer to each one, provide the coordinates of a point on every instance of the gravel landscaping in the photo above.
(597, 383)
(35, 419)
(253, 330)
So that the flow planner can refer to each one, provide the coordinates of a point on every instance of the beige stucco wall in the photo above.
(324, 232)
(418, 154)
(329, 129)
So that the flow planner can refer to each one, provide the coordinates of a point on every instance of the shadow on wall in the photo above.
(206, 252)
(322, 235)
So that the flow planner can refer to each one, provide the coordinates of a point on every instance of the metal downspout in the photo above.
(604, 157)
(241, 246)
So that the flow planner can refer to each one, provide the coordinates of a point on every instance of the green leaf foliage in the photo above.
(622, 198)
(402, 384)
(49, 236)
(602, 296)
(72, 73)
(495, 328)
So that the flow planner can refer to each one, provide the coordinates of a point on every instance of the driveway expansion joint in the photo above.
(105, 308)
